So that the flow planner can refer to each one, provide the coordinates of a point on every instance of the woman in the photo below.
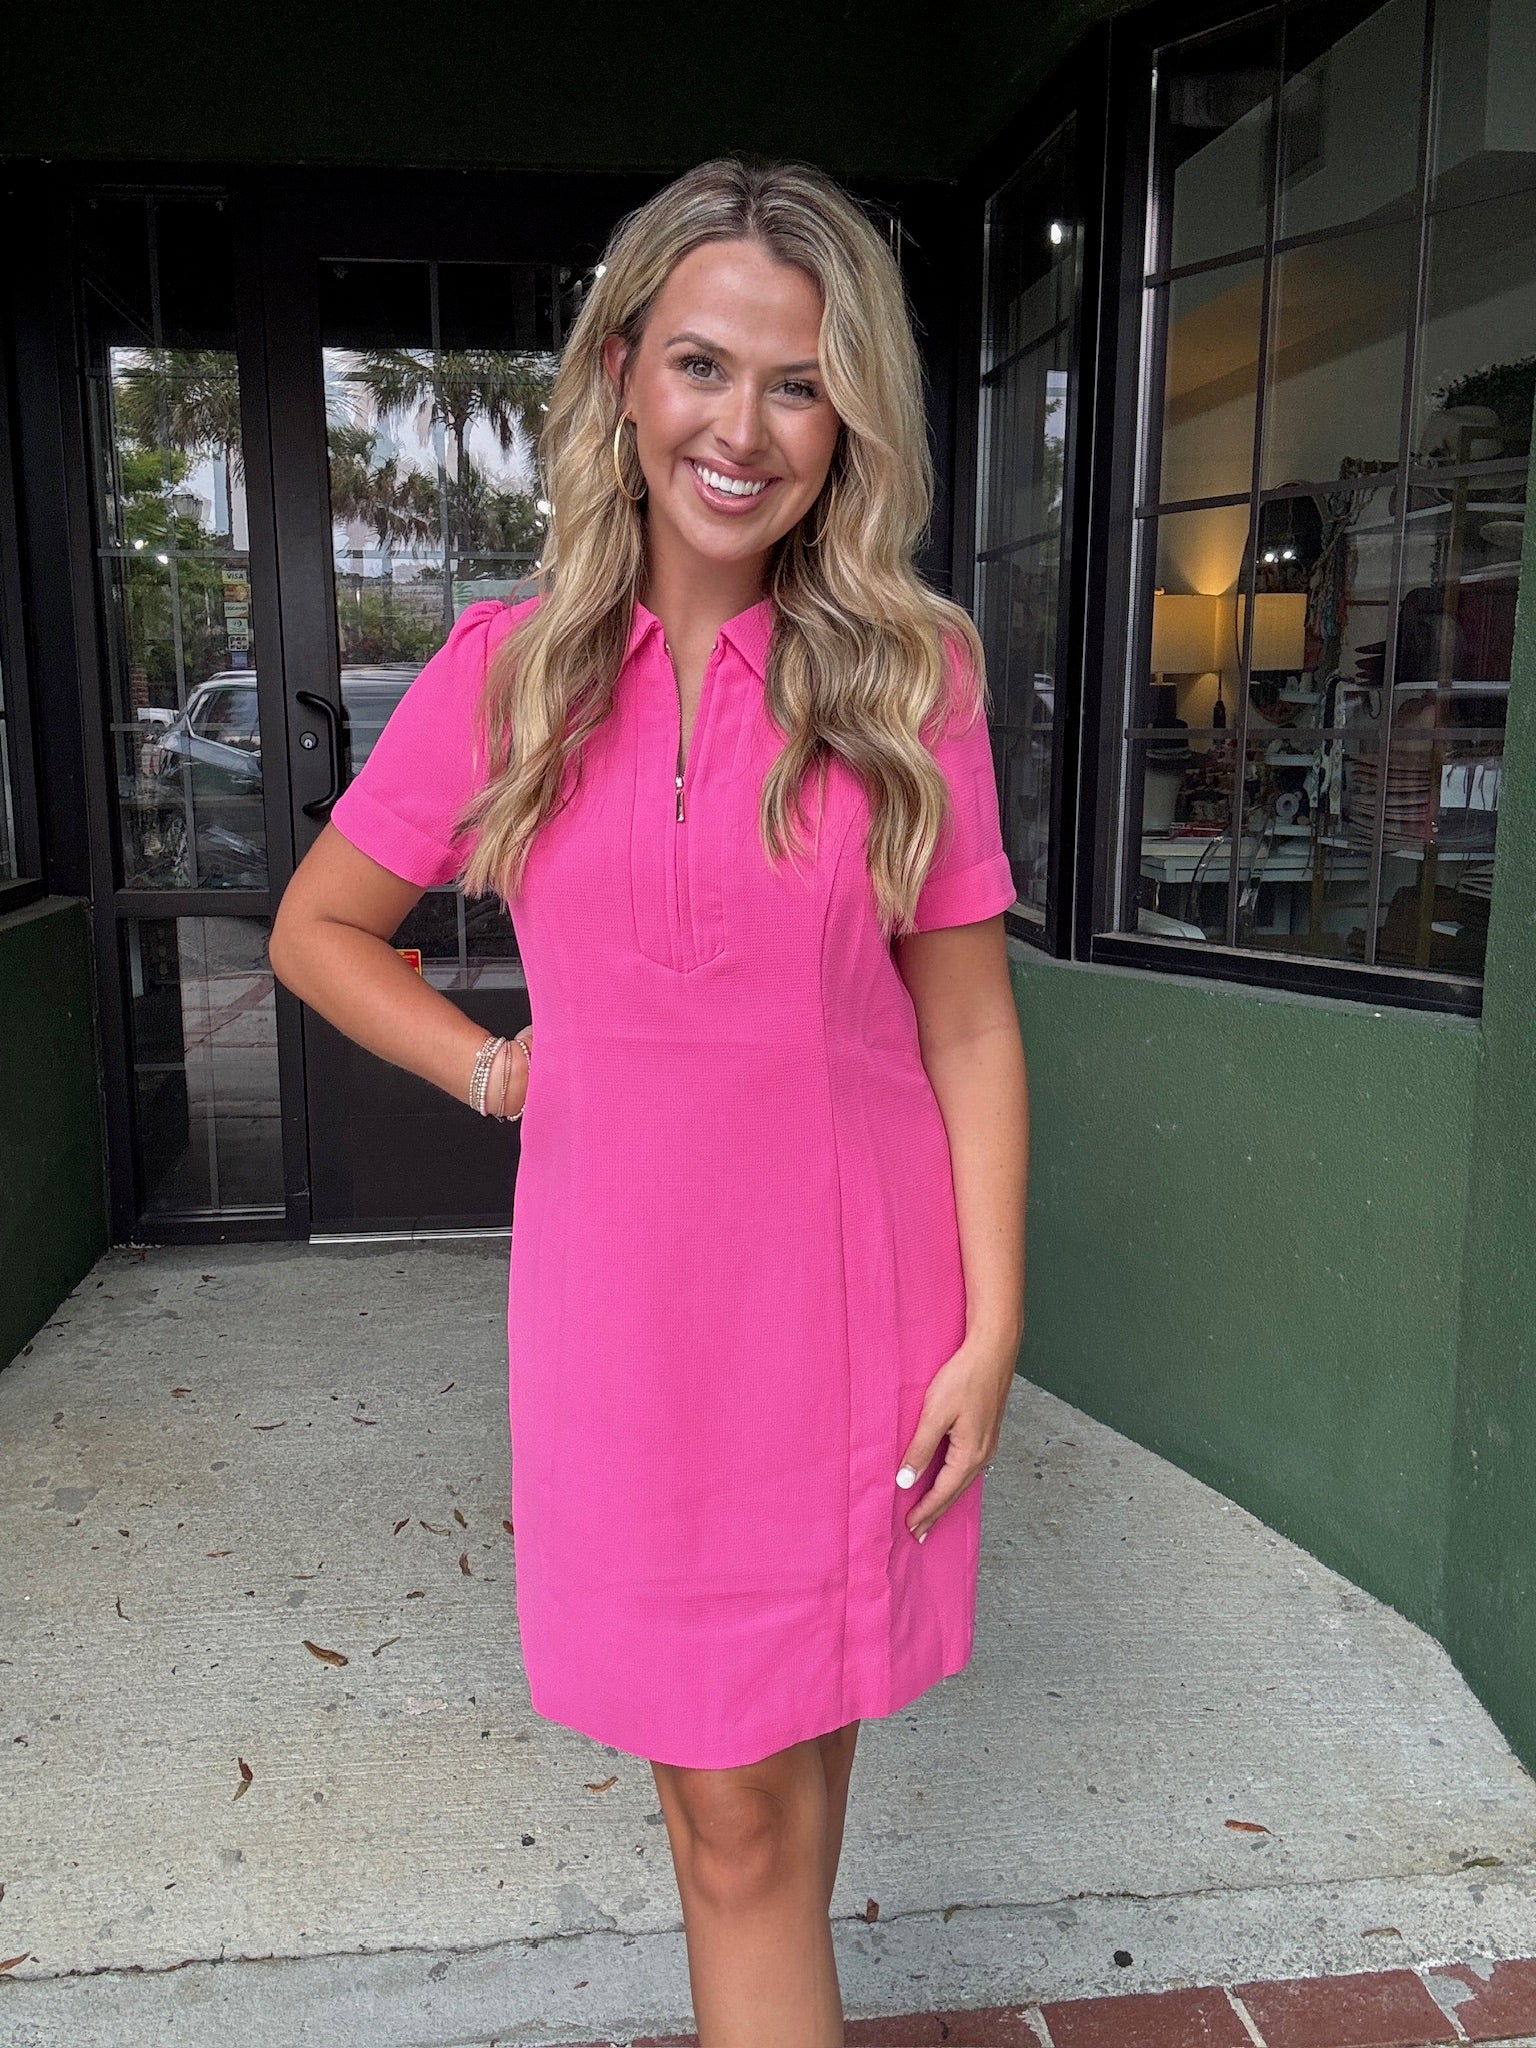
(729, 770)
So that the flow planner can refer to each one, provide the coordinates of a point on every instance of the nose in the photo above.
(741, 423)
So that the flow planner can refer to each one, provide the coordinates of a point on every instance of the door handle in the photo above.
(311, 700)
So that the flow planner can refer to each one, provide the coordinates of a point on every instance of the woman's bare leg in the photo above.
(837, 1761)
(750, 1848)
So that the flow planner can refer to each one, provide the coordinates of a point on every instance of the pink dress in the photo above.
(735, 1261)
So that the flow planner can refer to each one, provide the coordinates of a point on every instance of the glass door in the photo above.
(407, 396)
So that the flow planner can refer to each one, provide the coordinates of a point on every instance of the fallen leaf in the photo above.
(950, 1911)
(1247, 1827)
(871, 1909)
(177, 1391)
(120, 1614)
(464, 1564)
(369, 1421)
(460, 1519)
(386, 1643)
(269, 1425)
(1482, 1862)
(448, 1389)
(507, 1526)
(401, 1524)
(325, 1656)
(417, 1595)
(10, 1962)
(1382, 1930)
(437, 1529)
(603, 1787)
(246, 1775)
(218, 1553)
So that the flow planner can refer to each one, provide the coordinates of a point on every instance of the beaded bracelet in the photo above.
(485, 1060)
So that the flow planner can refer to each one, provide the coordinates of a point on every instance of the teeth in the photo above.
(736, 487)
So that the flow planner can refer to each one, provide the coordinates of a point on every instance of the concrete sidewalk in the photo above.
(212, 1457)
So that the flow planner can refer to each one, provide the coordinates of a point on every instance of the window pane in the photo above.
(1322, 573)
(164, 410)
(1477, 352)
(205, 1064)
(1485, 101)
(1461, 581)
(1215, 119)
(1211, 373)
(1349, 116)
(436, 377)
(1028, 364)
(1338, 338)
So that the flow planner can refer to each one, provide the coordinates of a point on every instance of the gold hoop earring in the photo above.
(634, 497)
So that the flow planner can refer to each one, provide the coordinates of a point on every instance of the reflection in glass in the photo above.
(1215, 119)
(164, 407)
(1455, 640)
(436, 381)
(1211, 348)
(1477, 351)
(204, 1047)
(1309, 729)
(1337, 343)
(1485, 103)
(1339, 164)
(1028, 364)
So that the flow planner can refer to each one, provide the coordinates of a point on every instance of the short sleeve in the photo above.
(971, 876)
(400, 806)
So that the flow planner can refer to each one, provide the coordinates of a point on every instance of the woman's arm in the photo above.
(330, 944)
(968, 1031)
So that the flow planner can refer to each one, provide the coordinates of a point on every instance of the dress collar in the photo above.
(749, 632)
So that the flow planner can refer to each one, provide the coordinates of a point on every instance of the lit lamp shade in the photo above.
(1184, 626)
(1279, 629)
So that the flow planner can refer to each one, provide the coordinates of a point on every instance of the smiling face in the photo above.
(733, 427)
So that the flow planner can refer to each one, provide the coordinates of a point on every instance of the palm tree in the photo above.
(187, 399)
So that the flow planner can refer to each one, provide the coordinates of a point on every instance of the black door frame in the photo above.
(282, 220)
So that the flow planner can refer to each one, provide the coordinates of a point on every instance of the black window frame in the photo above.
(19, 765)
(1108, 80)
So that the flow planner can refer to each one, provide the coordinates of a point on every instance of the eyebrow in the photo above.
(714, 348)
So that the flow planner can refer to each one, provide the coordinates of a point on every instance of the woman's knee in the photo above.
(739, 1835)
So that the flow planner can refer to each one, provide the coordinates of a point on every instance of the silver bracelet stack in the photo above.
(485, 1059)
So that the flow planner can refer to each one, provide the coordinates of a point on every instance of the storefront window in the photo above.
(1340, 306)
(158, 296)
(1029, 364)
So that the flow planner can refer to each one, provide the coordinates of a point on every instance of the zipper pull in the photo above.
(679, 799)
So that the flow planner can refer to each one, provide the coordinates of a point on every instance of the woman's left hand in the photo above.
(965, 1401)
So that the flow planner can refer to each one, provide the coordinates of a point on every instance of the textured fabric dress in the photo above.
(735, 1260)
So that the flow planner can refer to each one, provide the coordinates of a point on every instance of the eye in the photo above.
(686, 364)
(797, 388)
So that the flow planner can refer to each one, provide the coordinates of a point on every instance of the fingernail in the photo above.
(906, 1476)
(924, 1537)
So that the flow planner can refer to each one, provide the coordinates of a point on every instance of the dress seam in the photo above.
(842, 1252)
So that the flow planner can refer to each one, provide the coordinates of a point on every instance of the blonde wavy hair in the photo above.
(857, 664)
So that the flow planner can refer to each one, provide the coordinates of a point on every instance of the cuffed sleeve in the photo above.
(971, 876)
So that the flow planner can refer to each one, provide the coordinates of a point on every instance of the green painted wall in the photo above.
(1491, 1573)
(1245, 1248)
(53, 1201)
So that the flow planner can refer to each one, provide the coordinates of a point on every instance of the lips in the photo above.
(723, 492)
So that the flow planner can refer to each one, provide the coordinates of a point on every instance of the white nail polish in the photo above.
(906, 1476)
(924, 1537)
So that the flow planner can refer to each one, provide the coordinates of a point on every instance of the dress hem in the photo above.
(758, 1753)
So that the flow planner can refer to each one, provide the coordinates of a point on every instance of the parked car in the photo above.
(204, 767)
